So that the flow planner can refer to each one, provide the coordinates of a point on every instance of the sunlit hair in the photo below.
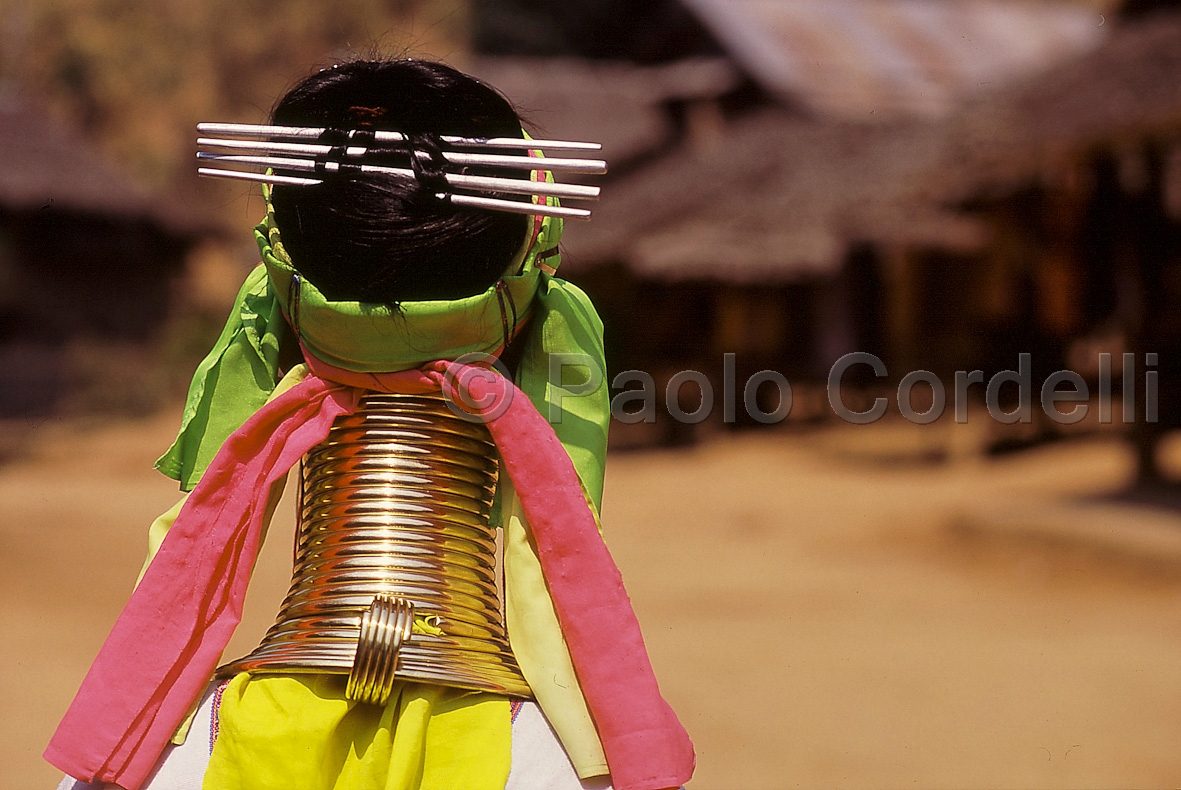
(390, 240)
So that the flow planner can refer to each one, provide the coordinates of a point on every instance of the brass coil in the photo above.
(385, 627)
(394, 518)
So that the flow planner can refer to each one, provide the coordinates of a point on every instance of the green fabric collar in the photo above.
(373, 338)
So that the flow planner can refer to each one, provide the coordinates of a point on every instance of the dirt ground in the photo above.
(825, 608)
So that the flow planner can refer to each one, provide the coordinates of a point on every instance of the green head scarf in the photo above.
(242, 369)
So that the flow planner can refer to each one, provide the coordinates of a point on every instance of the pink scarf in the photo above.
(167, 642)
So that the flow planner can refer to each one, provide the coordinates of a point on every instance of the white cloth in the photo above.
(539, 762)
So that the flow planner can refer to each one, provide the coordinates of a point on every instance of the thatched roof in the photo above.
(776, 198)
(43, 164)
(1128, 89)
(780, 197)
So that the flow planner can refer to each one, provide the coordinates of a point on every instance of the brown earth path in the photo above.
(821, 609)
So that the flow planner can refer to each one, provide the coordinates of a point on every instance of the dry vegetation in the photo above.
(137, 75)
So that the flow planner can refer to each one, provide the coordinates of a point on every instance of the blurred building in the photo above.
(85, 255)
(1077, 175)
(808, 204)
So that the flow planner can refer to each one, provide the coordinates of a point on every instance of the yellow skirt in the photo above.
(298, 732)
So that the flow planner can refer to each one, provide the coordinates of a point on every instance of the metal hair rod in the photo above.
(313, 133)
(514, 186)
(471, 201)
(589, 166)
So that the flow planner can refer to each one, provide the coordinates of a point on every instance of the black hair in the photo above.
(375, 238)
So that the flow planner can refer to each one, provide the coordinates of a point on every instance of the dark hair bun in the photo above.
(388, 239)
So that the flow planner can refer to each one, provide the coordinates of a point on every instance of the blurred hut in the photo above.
(85, 255)
(638, 112)
(1077, 174)
(795, 211)
(772, 244)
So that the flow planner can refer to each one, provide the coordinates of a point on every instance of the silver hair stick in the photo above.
(470, 201)
(313, 133)
(554, 165)
(262, 178)
(514, 186)
(317, 159)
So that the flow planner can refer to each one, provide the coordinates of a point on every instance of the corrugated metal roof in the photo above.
(1124, 92)
(860, 58)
